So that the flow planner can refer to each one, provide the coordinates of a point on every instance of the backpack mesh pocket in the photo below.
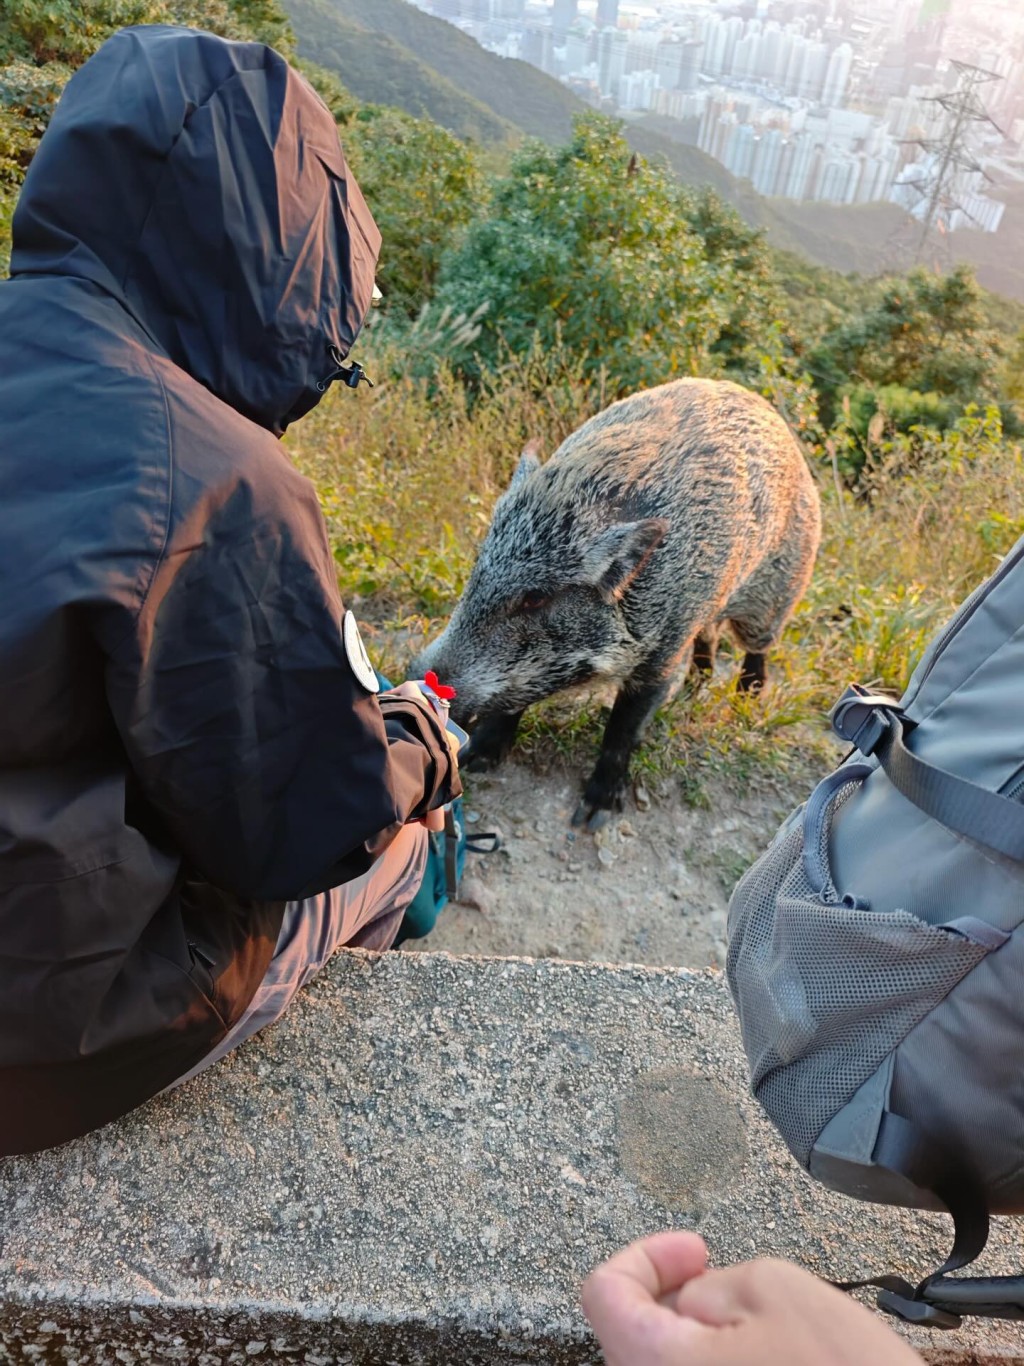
(826, 989)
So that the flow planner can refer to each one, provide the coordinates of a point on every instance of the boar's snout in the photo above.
(437, 659)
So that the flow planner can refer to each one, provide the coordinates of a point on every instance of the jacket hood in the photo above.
(201, 183)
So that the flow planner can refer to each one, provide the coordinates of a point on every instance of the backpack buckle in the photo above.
(861, 717)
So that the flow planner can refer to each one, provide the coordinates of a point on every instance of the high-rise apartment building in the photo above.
(766, 166)
(690, 64)
(815, 69)
(636, 90)
(837, 180)
(579, 51)
(563, 17)
(741, 153)
(607, 13)
(745, 56)
(611, 60)
(713, 111)
(722, 135)
(642, 52)
(793, 76)
(803, 168)
(785, 165)
(837, 76)
(768, 55)
(536, 48)
(677, 62)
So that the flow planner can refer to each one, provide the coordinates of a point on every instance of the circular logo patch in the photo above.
(355, 651)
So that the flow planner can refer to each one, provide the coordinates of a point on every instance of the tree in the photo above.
(588, 246)
(68, 32)
(1013, 378)
(423, 185)
(925, 334)
(42, 42)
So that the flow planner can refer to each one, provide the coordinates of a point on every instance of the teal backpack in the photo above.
(446, 858)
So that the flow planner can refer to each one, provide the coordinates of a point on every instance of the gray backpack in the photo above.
(877, 952)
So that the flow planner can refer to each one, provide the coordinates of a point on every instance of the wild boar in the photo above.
(670, 514)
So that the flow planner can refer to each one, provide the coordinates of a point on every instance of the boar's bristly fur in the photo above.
(671, 514)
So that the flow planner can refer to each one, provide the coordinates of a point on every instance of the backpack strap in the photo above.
(452, 835)
(878, 726)
(481, 842)
(940, 1301)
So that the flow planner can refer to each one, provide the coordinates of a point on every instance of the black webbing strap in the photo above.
(876, 725)
(451, 854)
(939, 1301)
(481, 842)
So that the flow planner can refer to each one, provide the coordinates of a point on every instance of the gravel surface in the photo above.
(419, 1164)
(651, 887)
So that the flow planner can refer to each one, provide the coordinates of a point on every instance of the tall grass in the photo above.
(408, 476)
(409, 472)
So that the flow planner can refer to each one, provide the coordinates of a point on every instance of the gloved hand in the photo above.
(433, 820)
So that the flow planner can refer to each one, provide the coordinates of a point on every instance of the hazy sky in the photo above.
(975, 21)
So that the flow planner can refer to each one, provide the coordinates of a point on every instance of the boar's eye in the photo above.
(531, 601)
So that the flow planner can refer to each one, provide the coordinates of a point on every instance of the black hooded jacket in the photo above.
(184, 744)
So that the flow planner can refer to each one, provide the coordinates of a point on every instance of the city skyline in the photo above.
(836, 101)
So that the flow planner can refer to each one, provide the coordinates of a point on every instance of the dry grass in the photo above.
(408, 480)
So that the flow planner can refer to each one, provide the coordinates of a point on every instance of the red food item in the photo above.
(439, 689)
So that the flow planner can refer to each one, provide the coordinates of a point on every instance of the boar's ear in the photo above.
(616, 557)
(528, 462)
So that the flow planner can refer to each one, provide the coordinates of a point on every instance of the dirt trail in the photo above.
(652, 887)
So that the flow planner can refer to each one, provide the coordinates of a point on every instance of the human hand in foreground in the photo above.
(655, 1303)
(433, 820)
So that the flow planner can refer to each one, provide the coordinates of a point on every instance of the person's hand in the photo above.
(410, 691)
(655, 1303)
(433, 820)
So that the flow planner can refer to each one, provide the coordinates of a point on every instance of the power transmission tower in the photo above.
(950, 155)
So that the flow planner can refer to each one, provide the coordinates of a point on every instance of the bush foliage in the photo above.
(588, 246)
(42, 43)
(423, 185)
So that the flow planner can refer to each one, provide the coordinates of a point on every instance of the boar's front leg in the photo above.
(491, 741)
(635, 705)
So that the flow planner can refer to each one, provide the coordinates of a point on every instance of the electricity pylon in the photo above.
(950, 154)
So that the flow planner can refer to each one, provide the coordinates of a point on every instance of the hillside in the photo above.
(864, 238)
(390, 52)
(999, 257)
(872, 238)
(376, 68)
(689, 164)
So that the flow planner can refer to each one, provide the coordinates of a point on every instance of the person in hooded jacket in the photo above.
(201, 793)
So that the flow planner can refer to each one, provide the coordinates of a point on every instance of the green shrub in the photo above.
(423, 187)
(42, 42)
(925, 333)
(588, 247)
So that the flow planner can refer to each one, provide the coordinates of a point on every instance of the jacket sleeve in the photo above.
(273, 771)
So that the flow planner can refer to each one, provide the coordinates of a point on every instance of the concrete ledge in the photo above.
(419, 1165)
